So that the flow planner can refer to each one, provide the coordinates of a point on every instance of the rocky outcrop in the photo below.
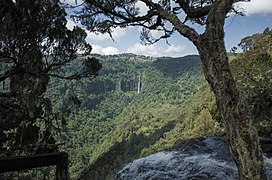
(203, 158)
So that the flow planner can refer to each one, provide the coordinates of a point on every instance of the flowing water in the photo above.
(208, 159)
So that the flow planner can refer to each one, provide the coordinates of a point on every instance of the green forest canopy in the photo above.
(136, 106)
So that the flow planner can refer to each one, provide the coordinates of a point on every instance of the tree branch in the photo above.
(183, 29)
(195, 12)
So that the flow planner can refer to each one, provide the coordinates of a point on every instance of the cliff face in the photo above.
(204, 158)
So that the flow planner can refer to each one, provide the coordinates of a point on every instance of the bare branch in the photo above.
(195, 11)
(183, 29)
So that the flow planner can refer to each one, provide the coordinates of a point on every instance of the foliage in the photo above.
(160, 122)
(165, 16)
(252, 71)
(134, 107)
(109, 124)
(111, 106)
(35, 45)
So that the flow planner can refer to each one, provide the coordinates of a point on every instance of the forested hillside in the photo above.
(59, 99)
(176, 103)
(132, 103)
(136, 106)
(140, 105)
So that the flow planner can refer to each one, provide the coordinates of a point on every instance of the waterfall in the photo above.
(206, 159)
(139, 84)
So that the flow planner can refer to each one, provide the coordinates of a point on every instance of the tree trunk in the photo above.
(242, 136)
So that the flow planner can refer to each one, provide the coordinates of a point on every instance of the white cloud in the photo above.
(105, 51)
(110, 50)
(142, 7)
(70, 24)
(116, 34)
(96, 49)
(255, 7)
(174, 49)
(156, 51)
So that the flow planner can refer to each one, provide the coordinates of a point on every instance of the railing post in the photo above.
(62, 168)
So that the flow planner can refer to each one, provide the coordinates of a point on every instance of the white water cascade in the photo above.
(208, 159)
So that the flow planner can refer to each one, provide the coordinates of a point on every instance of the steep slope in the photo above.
(131, 104)
(150, 117)
(140, 105)
(252, 72)
(154, 127)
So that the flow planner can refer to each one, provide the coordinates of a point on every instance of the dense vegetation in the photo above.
(137, 105)
(140, 105)
(253, 74)
(169, 16)
(133, 99)
(174, 102)
(35, 45)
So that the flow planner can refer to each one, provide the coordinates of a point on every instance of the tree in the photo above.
(34, 46)
(252, 69)
(258, 42)
(165, 15)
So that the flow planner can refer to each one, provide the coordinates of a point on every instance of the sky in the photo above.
(127, 40)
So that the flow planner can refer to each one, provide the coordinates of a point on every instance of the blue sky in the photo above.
(258, 17)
